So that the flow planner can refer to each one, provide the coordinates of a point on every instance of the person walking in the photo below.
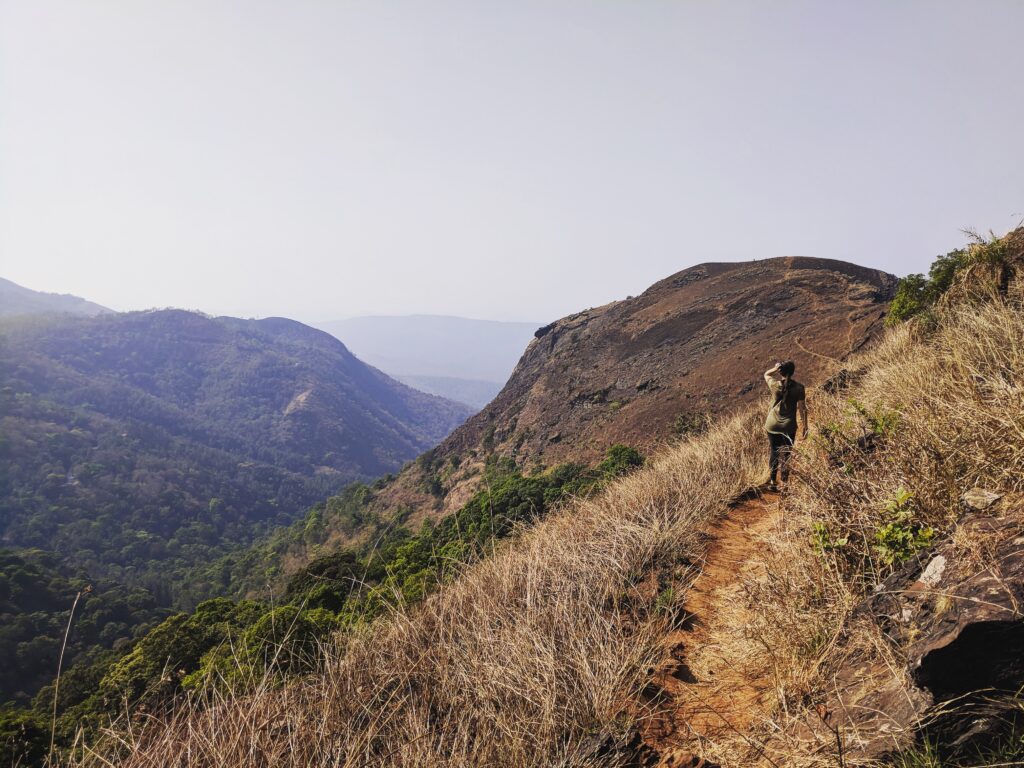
(788, 402)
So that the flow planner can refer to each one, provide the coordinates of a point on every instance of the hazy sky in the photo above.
(490, 158)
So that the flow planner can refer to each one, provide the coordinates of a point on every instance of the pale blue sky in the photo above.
(493, 159)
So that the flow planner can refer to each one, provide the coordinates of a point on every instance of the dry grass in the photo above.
(935, 411)
(539, 655)
(536, 656)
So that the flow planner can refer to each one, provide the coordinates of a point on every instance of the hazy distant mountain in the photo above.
(17, 300)
(472, 392)
(140, 444)
(456, 357)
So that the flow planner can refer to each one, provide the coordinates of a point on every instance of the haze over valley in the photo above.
(462, 359)
(433, 384)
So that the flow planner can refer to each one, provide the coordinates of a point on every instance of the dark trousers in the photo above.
(779, 448)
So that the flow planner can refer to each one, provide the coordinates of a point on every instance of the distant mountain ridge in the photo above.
(139, 444)
(459, 358)
(473, 392)
(18, 300)
(641, 372)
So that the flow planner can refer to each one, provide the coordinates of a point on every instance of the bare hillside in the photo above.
(691, 346)
(643, 372)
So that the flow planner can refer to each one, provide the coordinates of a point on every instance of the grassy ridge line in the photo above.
(535, 656)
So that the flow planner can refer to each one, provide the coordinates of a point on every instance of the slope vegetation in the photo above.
(137, 445)
(862, 619)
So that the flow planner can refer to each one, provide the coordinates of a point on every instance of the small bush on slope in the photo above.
(917, 294)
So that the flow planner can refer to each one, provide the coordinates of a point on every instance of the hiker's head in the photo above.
(787, 368)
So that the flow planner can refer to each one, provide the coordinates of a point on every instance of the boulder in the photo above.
(959, 622)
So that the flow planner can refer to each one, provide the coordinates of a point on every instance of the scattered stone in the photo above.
(933, 572)
(980, 498)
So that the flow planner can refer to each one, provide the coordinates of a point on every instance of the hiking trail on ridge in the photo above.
(710, 684)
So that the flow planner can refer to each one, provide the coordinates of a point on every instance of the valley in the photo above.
(138, 447)
(463, 359)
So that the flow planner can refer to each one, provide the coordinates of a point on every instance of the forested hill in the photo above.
(18, 300)
(138, 445)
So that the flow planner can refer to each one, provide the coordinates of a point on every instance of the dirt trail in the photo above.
(711, 684)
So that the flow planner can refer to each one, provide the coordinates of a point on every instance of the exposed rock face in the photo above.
(693, 344)
(962, 623)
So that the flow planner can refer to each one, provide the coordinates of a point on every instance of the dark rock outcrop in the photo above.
(960, 620)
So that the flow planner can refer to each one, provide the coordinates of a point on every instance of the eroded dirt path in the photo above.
(710, 684)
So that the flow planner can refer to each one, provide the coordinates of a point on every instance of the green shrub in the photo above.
(900, 536)
(619, 460)
(910, 299)
(881, 421)
(284, 640)
(917, 293)
(824, 540)
(666, 601)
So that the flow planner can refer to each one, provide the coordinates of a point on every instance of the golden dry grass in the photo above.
(934, 410)
(540, 654)
(535, 656)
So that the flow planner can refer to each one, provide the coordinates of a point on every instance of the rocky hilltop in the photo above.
(693, 345)
(643, 372)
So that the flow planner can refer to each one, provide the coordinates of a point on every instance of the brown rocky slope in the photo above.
(638, 371)
(690, 346)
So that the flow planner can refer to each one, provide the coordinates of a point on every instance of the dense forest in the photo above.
(36, 596)
(137, 449)
(137, 446)
(233, 643)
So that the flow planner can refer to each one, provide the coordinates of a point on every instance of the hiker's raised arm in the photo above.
(772, 374)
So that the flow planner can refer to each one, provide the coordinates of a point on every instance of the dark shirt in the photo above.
(782, 414)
